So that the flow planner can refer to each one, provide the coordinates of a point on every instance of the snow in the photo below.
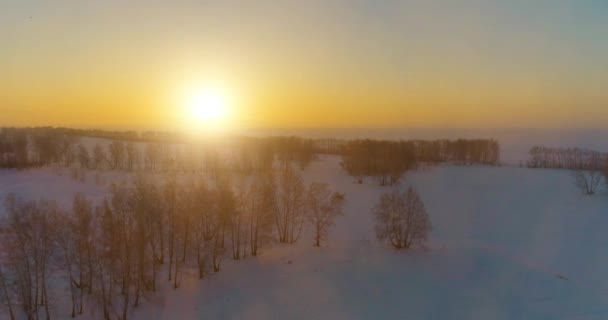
(47, 183)
(507, 243)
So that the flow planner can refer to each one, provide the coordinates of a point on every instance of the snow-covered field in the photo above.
(507, 243)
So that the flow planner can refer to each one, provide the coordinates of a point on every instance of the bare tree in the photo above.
(152, 155)
(83, 157)
(289, 204)
(76, 250)
(147, 205)
(172, 212)
(323, 207)
(67, 149)
(204, 231)
(125, 236)
(117, 154)
(239, 220)
(401, 219)
(82, 209)
(226, 207)
(27, 240)
(5, 297)
(99, 156)
(260, 205)
(153, 207)
(66, 259)
(212, 164)
(587, 180)
(107, 253)
(132, 156)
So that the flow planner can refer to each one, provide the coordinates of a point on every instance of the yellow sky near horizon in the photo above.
(313, 64)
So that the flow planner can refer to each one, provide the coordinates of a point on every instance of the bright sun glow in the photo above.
(208, 108)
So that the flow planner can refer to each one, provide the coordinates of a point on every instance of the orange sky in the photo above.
(306, 64)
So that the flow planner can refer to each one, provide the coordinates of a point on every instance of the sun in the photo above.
(208, 106)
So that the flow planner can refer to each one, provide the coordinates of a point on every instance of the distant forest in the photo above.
(384, 160)
(567, 158)
(389, 160)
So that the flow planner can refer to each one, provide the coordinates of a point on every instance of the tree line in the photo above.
(163, 152)
(588, 166)
(150, 151)
(567, 158)
(387, 161)
(111, 253)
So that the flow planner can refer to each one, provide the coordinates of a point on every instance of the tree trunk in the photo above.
(6, 295)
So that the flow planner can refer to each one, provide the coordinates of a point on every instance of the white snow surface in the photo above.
(507, 243)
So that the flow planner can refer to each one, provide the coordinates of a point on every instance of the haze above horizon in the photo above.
(296, 64)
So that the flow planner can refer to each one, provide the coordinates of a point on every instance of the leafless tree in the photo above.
(239, 220)
(107, 267)
(125, 244)
(27, 239)
(147, 206)
(204, 228)
(172, 212)
(587, 180)
(82, 210)
(212, 164)
(66, 259)
(152, 155)
(260, 205)
(117, 154)
(289, 204)
(226, 207)
(83, 157)
(76, 250)
(182, 227)
(5, 296)
(401, 219)
(99, 157)
(323, 207)
(67, 149)
(132, 156)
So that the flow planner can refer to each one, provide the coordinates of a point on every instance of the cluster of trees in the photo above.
(389, 160)
(13, 148)
(150, 151)
(118, 155)
(294, 149)
(588, 167)
(460, 151)
(385, 160)
(20, 148)
(253, 154)
(329, 146)
(112, 252)
(567, 158)
(401, 219)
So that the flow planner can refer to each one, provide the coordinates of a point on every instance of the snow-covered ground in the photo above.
(507, 243)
